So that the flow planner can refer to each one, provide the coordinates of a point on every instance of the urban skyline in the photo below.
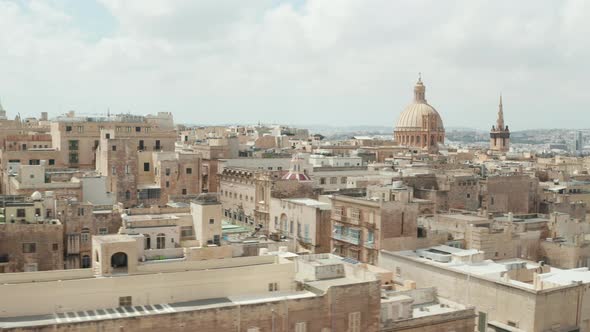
(296, 62)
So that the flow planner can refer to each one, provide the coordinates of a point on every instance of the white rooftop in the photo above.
(309, 202)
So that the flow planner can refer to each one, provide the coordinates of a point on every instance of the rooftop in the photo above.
(310, 202)
(496, 270)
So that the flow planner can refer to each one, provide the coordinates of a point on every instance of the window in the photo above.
(322, 180)
(37, 212)
(167, 184)
(73, 157)
(140, 147)
(29, 248)
(186, 231)
(127, 195)
(147, 244)
(125, 301)
(273, 287)
(80, 211)
(343, 180)
(354, 321)
(107, 136)
(157, 144)
(184, 191)
(333, 180)
(73, 144)
(85, 235)
(138, 129)
(55, 247)
(103, 231)
(21, 213)
(146, 167)
(31, 267)
(113, 170)
(68, 128)
(468, 195)
(51, 161)
(301, 327)
(114, 148)
(189, 170)
(167, 171)
(86, 262)
(211, 221)
(161, 241)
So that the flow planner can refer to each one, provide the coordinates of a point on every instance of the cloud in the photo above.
(333, 62)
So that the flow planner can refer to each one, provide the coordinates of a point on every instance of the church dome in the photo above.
(413, 116)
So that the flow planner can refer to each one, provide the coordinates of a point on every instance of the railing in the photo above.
(346, 238)
(346, 219)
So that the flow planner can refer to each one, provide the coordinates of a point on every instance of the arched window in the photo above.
(161, 241)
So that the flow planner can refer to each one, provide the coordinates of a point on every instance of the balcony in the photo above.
(346, 219)
(346, 238)
(370, 245)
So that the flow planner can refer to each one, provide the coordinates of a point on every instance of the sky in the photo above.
(300, 62)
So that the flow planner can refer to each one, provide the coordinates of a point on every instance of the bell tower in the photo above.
(500, 134)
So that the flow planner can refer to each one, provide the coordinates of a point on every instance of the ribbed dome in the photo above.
(411, 117)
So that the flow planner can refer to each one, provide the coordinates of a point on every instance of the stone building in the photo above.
(138, 176)
(510, 193)
(420, 126)
(500, 134)
(81, 222)
(29, 239)
(78, 138)
(361, 227)
(261, 293)
(448, 190)
(508, 295)
(304, 219)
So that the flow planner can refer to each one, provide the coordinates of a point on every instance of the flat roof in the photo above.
(115, 238)
(310, 202)
(146, 310)
(494, 269)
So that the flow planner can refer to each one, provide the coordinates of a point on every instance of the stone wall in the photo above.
(327, 312)
(48, 240)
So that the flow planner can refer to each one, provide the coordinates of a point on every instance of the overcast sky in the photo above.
(333, 62)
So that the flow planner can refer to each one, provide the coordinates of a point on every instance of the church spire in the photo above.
(500, 122)
(419, 90)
